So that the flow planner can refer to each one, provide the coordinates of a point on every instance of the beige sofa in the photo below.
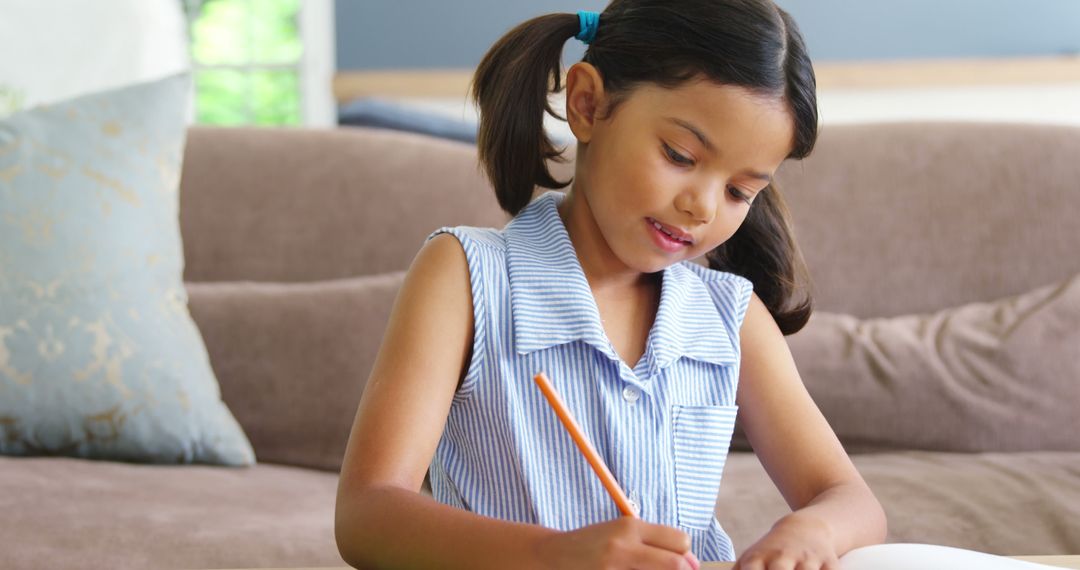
(295, 241)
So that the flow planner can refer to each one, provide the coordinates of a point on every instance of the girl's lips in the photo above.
(675, 232)
(664, 241)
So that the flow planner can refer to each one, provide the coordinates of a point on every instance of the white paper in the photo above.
(930, 557)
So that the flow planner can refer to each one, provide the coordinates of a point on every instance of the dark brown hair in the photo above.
(751, 44)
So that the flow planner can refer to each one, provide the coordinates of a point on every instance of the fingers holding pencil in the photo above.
(656, 543)
(622, 543)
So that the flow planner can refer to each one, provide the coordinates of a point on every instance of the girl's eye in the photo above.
(738, 194)
(676, 157)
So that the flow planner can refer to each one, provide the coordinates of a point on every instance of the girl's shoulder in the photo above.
(471, 236)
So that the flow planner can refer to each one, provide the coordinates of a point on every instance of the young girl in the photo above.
(682, 111)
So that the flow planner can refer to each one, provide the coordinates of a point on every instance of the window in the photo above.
(262, 62)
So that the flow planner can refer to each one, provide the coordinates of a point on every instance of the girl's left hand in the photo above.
(795, 542)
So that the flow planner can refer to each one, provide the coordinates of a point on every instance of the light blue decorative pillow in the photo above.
(99, 357)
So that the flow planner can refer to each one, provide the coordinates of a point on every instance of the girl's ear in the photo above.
(584, 96)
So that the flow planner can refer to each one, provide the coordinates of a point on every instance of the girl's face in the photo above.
(672, 173)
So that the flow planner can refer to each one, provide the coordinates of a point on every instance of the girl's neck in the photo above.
(602, 268)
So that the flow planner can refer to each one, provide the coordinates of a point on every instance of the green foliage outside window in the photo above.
(11, 100)
(246, 60)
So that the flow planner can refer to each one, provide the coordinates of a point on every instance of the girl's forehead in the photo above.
(706, 97)
(719, 112)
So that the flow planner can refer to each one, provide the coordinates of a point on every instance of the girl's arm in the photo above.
(381, 518)
(383, 521)
(834, 510)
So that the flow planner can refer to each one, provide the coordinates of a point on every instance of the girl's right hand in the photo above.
(621, 544)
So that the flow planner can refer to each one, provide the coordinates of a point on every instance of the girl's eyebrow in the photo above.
(693, 129)
(709, 145)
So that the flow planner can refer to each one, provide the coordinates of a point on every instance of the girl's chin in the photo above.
(656, 263)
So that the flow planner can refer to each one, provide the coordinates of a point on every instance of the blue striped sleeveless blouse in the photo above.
(663, 427)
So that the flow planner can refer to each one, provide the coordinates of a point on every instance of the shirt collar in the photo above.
(552, 304)
(690, 320)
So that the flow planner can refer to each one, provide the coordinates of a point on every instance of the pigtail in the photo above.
(511, 88)
(764, 251)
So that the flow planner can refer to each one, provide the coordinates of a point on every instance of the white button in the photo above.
(631, 394)
(633, 500)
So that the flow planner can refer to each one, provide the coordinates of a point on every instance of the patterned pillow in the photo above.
(99, 357)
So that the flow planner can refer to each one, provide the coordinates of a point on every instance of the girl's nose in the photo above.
(699, 203)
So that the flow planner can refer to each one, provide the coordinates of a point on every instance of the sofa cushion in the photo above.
(98, 354)
(998, 376)
(292, 358)
(1011, 504)
(71, 513)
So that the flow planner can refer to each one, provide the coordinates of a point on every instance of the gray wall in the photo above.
(911, 29)
(387, 34)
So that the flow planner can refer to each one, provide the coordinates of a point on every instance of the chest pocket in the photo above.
(701, 437)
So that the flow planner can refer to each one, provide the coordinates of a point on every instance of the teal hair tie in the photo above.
(587, 22)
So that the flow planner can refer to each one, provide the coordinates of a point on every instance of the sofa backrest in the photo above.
(912, 217)
(891, 218)
(290, 205)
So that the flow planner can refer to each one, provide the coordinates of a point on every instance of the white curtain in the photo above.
(55, 49)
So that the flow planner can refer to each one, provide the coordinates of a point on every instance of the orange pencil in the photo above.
(583, 444)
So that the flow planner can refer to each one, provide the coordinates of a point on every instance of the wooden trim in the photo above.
(349, 85)
(948, 73)
(454, 83)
